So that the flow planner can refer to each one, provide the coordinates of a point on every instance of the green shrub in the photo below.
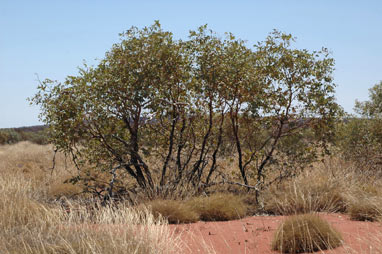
(34, 134)
(305, 233)
(9, 136)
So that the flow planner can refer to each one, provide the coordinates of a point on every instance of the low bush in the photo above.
(34, 134)
(305, 233)
(219, 207)
(174, 211)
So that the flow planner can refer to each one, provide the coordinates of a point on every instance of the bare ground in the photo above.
(254, 235)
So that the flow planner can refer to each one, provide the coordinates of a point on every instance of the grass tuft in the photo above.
(302, 195)
(174, 211)
(305, 233)
(367, 209)
(219, 207)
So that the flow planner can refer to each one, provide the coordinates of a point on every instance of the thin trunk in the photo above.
(196, 167)
(170, 147)
(179, 152)
(220, 138)
(235, 128)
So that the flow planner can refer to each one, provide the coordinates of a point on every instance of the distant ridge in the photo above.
(32, 128)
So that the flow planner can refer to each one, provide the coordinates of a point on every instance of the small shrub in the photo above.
(305, 233)
(219, 207)
(173, 210)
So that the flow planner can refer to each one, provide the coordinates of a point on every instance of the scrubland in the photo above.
(39, 213)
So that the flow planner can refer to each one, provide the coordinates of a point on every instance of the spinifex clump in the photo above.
(305, 233)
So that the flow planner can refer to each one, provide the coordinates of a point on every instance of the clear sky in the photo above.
(52, 38)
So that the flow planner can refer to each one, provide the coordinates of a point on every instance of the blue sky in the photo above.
(52, 38)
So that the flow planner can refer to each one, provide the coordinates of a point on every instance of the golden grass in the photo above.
(365, 202)
(30, 224)
(174, 211)
(31, 221)
(366, 210)
(324, 188)
(35, 162)
(219, 207)
(305, 233)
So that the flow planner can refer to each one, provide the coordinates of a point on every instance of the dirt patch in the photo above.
(254, 235)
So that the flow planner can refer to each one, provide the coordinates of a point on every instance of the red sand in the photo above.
(254, 235)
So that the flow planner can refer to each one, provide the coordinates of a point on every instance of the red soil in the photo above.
(254, 235)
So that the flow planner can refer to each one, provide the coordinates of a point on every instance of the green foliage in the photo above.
(34, 134)
(373, 107)
(360, 138)
(305, 233)
(186, 104)
(9, 136)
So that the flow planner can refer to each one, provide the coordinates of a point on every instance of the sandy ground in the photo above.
(254, 235)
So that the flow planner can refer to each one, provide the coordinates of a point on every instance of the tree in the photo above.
(373, 107)
(169, 112)
(361, 136)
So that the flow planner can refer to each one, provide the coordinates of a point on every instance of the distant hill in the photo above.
(33, 128)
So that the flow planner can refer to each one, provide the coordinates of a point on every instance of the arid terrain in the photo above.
(254, 235)
(34, 219)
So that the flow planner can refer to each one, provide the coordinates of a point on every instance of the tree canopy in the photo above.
(371, 108)
(167, 112)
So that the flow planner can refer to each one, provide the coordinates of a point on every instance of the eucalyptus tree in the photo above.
(271, 98)
(297, 111)
(103, 117)
(163, 112)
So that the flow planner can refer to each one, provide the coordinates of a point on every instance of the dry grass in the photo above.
(29, 224)
(321, 188)
(219, 207)
(365, 201)
(368, 209)
(305, 233)
(333, 186)
(32, 222)
(174, 211)
(35, 162)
